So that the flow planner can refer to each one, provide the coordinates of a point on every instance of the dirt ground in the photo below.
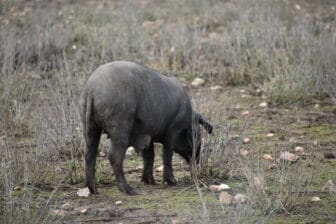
(312, 128)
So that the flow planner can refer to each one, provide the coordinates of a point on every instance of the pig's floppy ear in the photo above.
(208, 127)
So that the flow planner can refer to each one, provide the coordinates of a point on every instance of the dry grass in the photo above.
(48, 49)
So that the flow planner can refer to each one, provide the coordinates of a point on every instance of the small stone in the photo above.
(74, 47)
(297, 7)
(329, 187)
(84, 192)
(263, 104)
(287, 156)
(239, 199)
(17, 188)
(218, 188)
(246, 140)
(83, 210)
(268, 157)
(130, 151)
(216, 88)
(315, 199)
(299, 149)
(270, 135)
(317, 105)
(118, 203)
(242, 91)
(197, 82)
(245, 113)
(244, 152)
(102, 154)
(159, 169)
(225, 198)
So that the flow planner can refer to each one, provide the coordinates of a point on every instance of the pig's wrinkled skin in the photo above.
(136, 106)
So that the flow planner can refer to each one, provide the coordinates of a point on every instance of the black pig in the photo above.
(136, 106)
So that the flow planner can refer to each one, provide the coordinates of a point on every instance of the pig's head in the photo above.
(190, 139)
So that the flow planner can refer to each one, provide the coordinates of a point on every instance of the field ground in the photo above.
(312, 127)
(273, 63)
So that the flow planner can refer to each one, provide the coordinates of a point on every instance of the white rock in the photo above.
(102, 154)
(268, 157)
(118, 203)
(270, 135)
(159, 169)
(315, 199)
(83, 210)
(216, 88)
(239, 198)
(246, 140)
(299, 149)
(245, 113)
(197, 82)
(242, 91)
(130, 151)
(84, 192)
(287, 156)
(218, 188)
(263, 104)
(225, 198)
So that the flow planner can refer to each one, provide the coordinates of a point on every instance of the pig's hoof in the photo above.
(148, 180)
(92, 188)
(130, 191)
(170, 181)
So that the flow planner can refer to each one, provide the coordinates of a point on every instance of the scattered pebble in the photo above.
(287, 156)
(102, 154)
(197, 82)
(245, 113)
(130, 151)
(225, 198)
(84, 192)
(263, 105)
(297, 7)
(159, 169)
(299, 149)
(268, 157)
(216, 88)
(118, 203)
(246, 140)
(17, 188)
(315, 199)
(83, 210)
(218, 188)
(242, 91)
(270, 135)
